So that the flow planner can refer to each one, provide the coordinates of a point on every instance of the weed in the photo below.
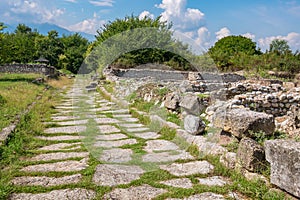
(173, 117)
(233, 146)
(167, 133)
(261, 137)
(163, 91)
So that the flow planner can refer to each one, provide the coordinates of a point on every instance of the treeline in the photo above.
(132, 41)
(25, 45)
(234, 53)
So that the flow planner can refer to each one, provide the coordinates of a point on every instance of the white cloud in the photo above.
(292, 38)
(183, 18)
(203, 37)
(88, 25)
(223, 32)
(249, 35)
(103, 3)
(33, 10)
(146, 14)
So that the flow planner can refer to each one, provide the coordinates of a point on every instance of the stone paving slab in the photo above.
(106, 121)
(160, 145)
(102, 101)
(66, 129)
(122, 116)
(67, 194)
(59, 156)
(120, 111)
(116, 155)
(117, 136)
(134, 130)
(202, 196)
(66, 103)
(65, 166)
(190, 168)
(108, 129)
(131, 125)
(118, 143)
(61, 138)
(180, 183)
(166, 156)
(61, 146)
(73, 122)
(64, 112)
(64, 118)
(147, 135)
(130, 119)
(112, 175)
(46, 181)
(212, 181)
(144, 192)
(105, 108)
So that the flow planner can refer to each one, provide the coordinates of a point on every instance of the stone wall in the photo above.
(28, 68)
(173, 75)
(273, 99)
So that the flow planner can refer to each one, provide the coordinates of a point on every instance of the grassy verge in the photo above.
(16, 92)
(22, 140)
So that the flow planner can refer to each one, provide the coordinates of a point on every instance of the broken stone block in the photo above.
(284, 157)
(192, 105)
(228, 160)
(243, 123)
(194, 125)
(172, 101)
(250, 155)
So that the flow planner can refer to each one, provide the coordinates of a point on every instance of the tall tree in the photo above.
(280, 47)
(74, 48)
(21, 44)
(134, 37)
(229, 48)
(49, 47)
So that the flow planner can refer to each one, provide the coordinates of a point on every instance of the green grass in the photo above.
(16, 92)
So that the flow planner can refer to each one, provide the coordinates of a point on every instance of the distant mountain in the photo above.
(44, 28)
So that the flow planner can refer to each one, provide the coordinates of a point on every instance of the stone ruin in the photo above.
(29, 68)
(239, 107)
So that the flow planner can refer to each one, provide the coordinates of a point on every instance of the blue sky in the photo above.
(205, 21)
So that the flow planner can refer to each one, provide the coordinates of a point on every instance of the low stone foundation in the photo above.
(29, 68)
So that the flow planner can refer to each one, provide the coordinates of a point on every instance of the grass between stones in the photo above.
(22, 143)
(237, 185)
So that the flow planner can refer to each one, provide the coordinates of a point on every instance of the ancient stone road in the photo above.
(88, 127)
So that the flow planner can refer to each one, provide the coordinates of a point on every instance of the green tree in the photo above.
(18, 46)
(49, 47)
(74, 48)
(23, 29)
(141, 52)
(280, 47)
(227, 50)
(2, 27)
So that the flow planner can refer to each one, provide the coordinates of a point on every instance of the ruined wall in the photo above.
(169, 75)
(28, 68)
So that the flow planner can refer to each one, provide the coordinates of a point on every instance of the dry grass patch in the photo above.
(60, 82)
